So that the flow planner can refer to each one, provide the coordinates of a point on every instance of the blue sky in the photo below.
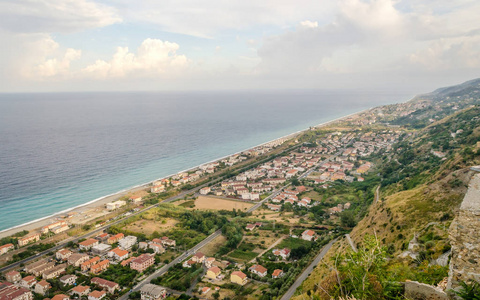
(87, 45)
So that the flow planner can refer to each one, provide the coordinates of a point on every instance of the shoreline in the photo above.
(95, 203)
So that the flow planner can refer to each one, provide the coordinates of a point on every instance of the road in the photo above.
(307, 271)
(377, 195)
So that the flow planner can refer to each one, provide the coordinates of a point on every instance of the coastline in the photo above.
(101, 201)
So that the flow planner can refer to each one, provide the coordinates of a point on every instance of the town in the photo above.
(252, 232)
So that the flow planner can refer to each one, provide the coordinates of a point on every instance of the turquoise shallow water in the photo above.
(62, 150)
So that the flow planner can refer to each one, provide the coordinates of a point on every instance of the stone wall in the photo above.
(420, 291)
(464, 235)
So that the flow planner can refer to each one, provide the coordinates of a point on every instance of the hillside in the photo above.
(422, 185)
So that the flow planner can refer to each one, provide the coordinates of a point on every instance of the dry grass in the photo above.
(211, 248)
(149, 226)
(205, 202)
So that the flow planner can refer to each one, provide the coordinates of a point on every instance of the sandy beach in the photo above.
(97, 206)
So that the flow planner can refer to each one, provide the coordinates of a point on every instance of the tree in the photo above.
(347, 219)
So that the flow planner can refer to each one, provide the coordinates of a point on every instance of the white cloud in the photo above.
(54, 67)
(309, 24)
(30, 16)
(154, 57)
(208, 18)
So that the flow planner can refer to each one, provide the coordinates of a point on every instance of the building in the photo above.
(89, 263)
(283, 253)
(309, 235)
(118, 254)
(157, 248)
(60, 297)
(28, 282)
(63, 254)
(9, 291)
(107, 285)
(135, 199)
(205, 190)
(100, 267)
(101, 249)
(198, 257)
(115, 238)
(209, 261)
(5, 248)
(115, 205)
(38, 271)
(81, 290)
(68, 279)
(168, 242)
(157, 189)
(213, 273)
(97, 295)
(152, 292)
(88, 244)
(127, 242)
(238, 277)
(28, 239)
(60, 224)
(277, 273)
(258, 270)
(13, 276)
(142, 262)
(77, 259)
(55, 271)
(42, 287)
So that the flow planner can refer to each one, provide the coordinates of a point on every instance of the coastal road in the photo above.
(307, 271)
(349, 240)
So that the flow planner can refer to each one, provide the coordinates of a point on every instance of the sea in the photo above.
(62, 150)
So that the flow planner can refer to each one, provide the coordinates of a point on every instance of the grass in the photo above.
(243, 255)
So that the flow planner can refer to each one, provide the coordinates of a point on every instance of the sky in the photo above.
(151, 45)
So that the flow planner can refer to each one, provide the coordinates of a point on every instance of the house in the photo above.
(204, 290)
(135, 199)
(77, 259)
(118, 254)
(28, 239)
(42, 287)
(97, 295)
(9, 291)
(127, 261)
(63, 254)
(28, 282)
(188, 263)
(238, 277)
(101, 249)
(277, 273)
(168, 242)
(88, 244)
(152, 292)
(347, 205)
(81, 290)
(205, 190)
(115, 205)
(115, 238)
(41, 269)
(258, 270)
(157, 189)
(68, 279)
(13, 276)
(209, 261)
(309, 235)
(142, 262)
(157, 248)
(60, 297)
(60, 225)
(107, 285)
(283, 253)
(103, 237)
(250, 227)
(100, 267)
(5, 248)
(213, 272)
(89, 263)
(55, 271)
(143, 245)
(127, 242)
(198, 257)
(274, 207)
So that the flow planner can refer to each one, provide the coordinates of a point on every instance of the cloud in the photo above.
(209, 18)
(154, 57)
(31, 16)
(54, 67)
(375, 36)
